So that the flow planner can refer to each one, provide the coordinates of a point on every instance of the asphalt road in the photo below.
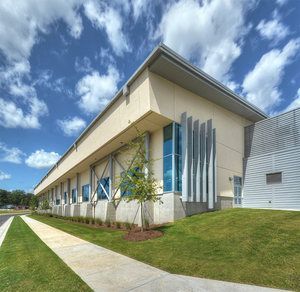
(4, 217)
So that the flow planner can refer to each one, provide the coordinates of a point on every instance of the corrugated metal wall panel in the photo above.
(257, 194)
(274, 134)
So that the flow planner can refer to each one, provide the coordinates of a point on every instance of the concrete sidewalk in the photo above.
(4, 226)
(105, 270)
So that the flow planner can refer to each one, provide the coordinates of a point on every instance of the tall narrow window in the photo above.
(103, 188)
(172, 164)
(237, 184)
(65, 197)
(74, 196)
(85, 193)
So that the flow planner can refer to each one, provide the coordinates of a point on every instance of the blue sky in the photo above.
(62, 61)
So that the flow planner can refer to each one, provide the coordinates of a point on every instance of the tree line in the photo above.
(17, 198)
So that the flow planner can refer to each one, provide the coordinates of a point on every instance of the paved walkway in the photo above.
(4, 226)
(105, 270)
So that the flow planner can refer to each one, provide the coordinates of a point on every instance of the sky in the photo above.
(62, 61)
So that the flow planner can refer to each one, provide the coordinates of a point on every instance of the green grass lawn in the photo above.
(27, 264)
(14, 211)
(260, 247)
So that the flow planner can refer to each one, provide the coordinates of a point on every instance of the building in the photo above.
(195, 134)
(272, 163)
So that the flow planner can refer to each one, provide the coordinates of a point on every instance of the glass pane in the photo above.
(85, 193)
(74, 196)
(178, 139)
(168, 147)
(105, 184)
(168, 173)
(178, 173)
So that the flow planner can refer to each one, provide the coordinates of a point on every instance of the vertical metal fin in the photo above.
(209, 159)
(215, 165)
(203, 163)
(184, 157)
(196, 164)
(190, 158)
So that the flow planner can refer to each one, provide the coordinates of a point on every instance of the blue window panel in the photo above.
(124, 187)
(172, 164)
(168, 173)
(65, 197)
(178, 173)
(86, 193)
(100, 192)
(168, 140)
(74, 196)
(178, 139)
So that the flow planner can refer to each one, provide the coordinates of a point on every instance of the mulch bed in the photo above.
(141, 236)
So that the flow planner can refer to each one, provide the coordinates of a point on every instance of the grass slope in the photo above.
(27, 264)
(260, 247)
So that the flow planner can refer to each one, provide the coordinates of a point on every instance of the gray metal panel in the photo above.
(196, 167)
(190, 157)
(203, 162)
(257, 194)
(209, 161)
(184, 157)
(214, 166)
(274, 134)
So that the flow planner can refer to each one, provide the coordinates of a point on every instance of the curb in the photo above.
(4, 228)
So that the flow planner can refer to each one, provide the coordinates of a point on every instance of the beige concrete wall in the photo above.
(171, 100)
(113, 122)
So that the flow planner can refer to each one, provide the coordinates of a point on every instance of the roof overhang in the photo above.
(174, 68)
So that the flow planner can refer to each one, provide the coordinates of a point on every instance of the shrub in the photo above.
(108, 223)
(99, 221)
(127, 225)
(93, 221)
(118, 224)
(87, 220)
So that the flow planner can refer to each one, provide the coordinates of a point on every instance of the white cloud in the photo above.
(4, 175)
(12, 154)
(109, 19)
(83, 64)
(19, 28)
(273, 30)
(20, 23)
(209, 34)
(139, 7)
(281, 2)
(96, 90)
(72, 126)
(42, 159)
(261, 84)
(12, 116)
(295, 103)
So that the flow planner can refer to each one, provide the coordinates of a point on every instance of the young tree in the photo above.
(138, 182)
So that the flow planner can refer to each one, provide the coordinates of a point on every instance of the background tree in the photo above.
(16, 197)
(138, 181)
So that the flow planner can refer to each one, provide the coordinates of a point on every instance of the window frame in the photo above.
(83, 189)
(276, 182)
(107, 182)
(176, 159)
(75, 194)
